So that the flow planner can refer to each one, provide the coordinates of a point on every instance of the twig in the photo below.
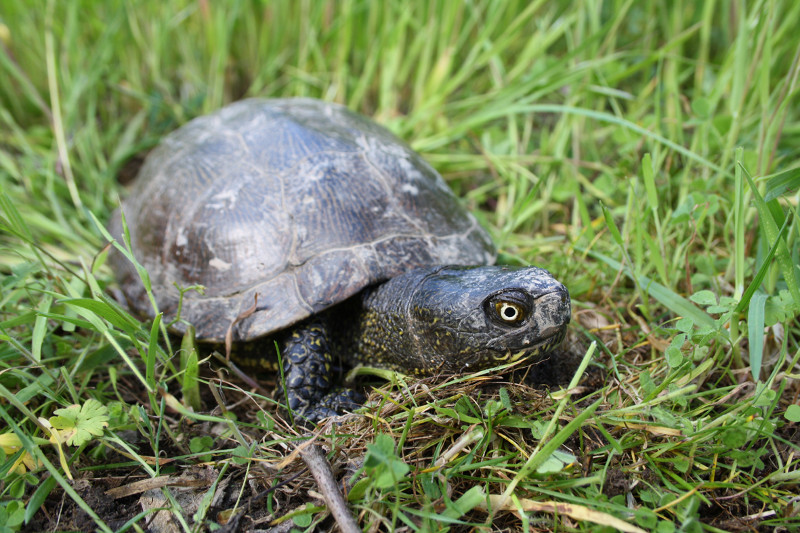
(321, 470)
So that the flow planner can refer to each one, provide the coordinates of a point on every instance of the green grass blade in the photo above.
(738, 230)
(762, 270)
(778, 184)
(772, 233)
(40, 327)
(755, 332)
(38, 498)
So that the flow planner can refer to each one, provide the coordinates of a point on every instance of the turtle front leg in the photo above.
(307, 366)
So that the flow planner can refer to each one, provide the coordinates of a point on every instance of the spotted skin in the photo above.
(436, 320)
(446, 319)
(307, 366)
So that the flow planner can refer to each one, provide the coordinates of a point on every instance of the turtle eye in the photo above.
(509, 312)
(509, 308)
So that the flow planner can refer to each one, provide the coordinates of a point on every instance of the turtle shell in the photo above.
(299, 202)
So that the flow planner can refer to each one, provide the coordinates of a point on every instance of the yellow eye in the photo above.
(509, 312)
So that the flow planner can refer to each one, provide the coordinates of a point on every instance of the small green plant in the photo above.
(12, 516)
(383, 466)
(78, 424)
(202, 445)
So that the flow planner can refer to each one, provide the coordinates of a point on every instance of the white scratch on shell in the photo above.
(411, 189)
(219, 264)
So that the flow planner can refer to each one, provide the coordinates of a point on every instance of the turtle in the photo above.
(340, 239)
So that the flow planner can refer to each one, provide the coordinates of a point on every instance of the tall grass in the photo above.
(642, 151)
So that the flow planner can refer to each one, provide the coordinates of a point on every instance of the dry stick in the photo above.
(229, 333)
(318, 465)
(229, 346)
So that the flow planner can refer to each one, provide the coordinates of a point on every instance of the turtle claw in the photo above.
(332, 404)
(342, 401)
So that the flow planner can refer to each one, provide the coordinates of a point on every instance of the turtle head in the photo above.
(471, 318)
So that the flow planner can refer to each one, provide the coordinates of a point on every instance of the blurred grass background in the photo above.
(610, 141)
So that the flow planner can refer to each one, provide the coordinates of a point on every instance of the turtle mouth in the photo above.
(539, 349)
(493, 356)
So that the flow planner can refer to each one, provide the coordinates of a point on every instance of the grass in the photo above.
(642, 151)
